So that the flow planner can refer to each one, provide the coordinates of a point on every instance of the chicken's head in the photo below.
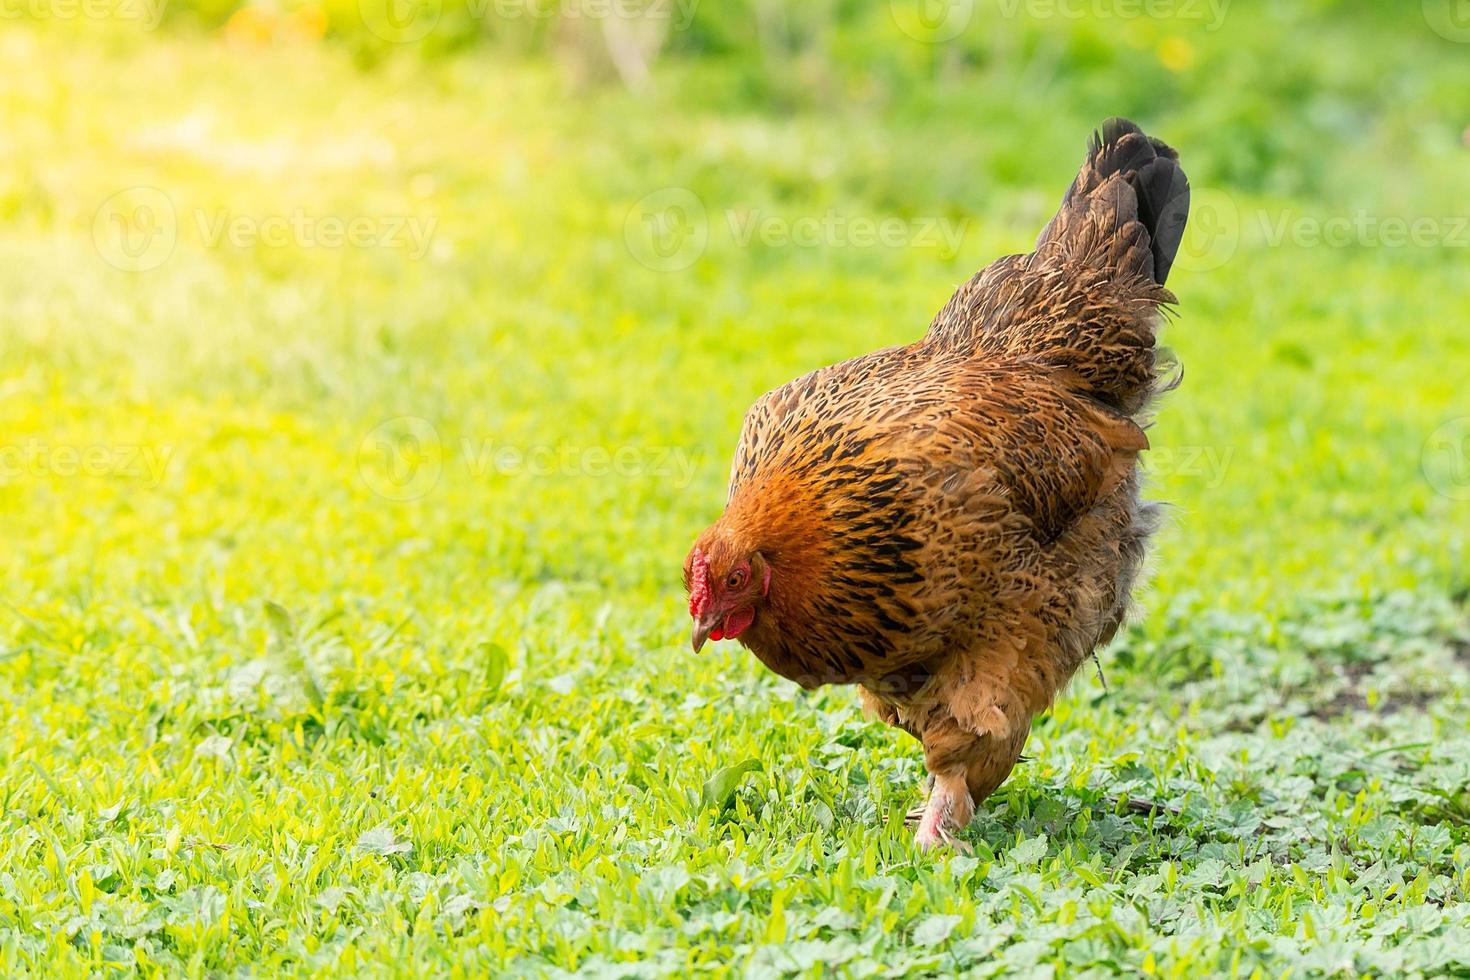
(726, 590)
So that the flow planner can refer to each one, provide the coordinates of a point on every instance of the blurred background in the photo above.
(368, 367)
(253, 233)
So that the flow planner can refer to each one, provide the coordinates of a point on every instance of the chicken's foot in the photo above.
(949, 808)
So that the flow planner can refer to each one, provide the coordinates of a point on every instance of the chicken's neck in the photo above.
(786, 527)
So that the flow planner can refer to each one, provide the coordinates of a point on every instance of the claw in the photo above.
(940, 837)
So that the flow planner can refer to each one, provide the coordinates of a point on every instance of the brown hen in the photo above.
(955, 525)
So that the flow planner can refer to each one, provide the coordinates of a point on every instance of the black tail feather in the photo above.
(1151, 168)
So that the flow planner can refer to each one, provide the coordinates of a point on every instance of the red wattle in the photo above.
(738, 621)
(716, 634)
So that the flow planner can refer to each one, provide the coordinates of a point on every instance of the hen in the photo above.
(955, 525)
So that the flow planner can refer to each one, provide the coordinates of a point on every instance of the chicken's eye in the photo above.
(735, 579)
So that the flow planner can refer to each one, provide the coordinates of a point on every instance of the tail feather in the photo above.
(1086, 302)
(1130, 182)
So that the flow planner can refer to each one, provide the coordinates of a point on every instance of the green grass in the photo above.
(342, 632)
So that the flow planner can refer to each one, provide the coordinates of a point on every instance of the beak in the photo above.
(703, 626)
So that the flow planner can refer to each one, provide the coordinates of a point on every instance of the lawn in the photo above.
(358, 404)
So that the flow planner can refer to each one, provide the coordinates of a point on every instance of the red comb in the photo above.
(699, 585)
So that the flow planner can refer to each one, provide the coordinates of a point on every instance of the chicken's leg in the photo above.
(949, 808)
(964, 769)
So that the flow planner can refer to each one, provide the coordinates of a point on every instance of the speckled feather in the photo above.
(956, 524)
